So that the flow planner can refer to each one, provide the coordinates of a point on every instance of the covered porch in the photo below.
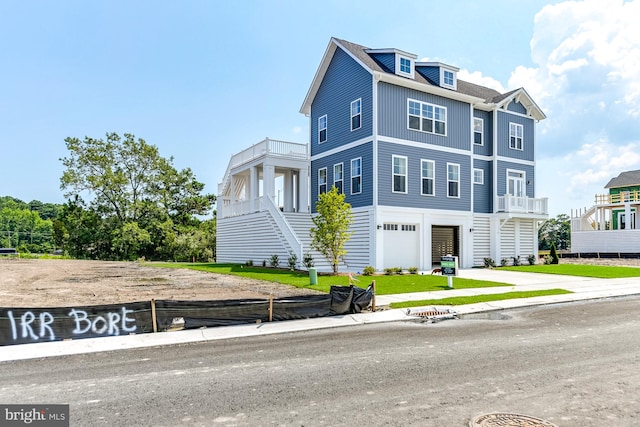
(269, 175)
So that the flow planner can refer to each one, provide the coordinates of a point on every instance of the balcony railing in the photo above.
(622, 197)
(508, 203)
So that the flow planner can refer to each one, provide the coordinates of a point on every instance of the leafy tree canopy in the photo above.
(331, 226)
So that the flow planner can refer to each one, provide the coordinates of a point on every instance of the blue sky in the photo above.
(203, 80)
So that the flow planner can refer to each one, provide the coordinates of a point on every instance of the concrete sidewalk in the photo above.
(583, 288)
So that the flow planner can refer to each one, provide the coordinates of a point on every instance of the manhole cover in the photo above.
(502, 419)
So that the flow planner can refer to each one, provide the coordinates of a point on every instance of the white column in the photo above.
(232, 195)
(253, 187)
(269, 181)
(288, 191)
(627, 215)
(303, 190)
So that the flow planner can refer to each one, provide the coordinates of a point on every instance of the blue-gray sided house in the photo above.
(431, 165)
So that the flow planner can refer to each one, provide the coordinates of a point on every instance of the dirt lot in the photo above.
(62, 283)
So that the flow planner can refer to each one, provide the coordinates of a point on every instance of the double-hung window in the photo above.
(356, 175)
(399, 174)
(427, 117)
(516, 132)
(427, 176)
(322, 129)
(322, 181)
(478, 125)
(356, 114)
(478, 176)
(338, 176)
(453, 180)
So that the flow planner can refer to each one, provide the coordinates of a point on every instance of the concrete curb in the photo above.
(584, 289)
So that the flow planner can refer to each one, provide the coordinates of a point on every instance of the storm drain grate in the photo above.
(503, 419)
(432, 314)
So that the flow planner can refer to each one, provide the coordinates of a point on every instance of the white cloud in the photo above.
(477, 78)
(296, 129)
(586, 79)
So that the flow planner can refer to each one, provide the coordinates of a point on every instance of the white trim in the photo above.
(514, 125)
(481, 181)
(433, 178)
(422, 145)
(427, 88)
(405, 174)
(421, 117)
(457, 181)
(351, 175)
(345, 147)
(359, 104)
(473, 130)
(326, 125)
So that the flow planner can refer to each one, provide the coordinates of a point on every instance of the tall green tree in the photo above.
(141, 201)
(331, 226)
(557, 231)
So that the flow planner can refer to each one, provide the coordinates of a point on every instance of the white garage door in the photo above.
(401, 245)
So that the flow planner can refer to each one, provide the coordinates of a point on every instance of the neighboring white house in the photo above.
(610, 225)
(431, 165)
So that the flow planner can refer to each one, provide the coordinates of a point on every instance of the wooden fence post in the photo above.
(373, 299)
(153, 315)
(271, 308)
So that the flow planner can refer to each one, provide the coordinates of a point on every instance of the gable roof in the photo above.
(465, 91)
(625, 179)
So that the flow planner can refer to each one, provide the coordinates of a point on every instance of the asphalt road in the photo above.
(573, 365)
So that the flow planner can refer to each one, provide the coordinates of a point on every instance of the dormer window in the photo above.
(448, 79)
(404, 65)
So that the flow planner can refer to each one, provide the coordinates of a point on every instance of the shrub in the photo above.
(548, 259)
(553, 254)
(413, 270)
(264, 262)
(504, 262)
(531, 259)
(307, 260)
(389, 271)
(249, 263)
(274, 261)
(397, 270)
(368, 271)
(489, 262)
(292, 261)
(516, 261)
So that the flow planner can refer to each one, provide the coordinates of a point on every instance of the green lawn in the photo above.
(385, 285)
(599, 271)
(479, 298)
